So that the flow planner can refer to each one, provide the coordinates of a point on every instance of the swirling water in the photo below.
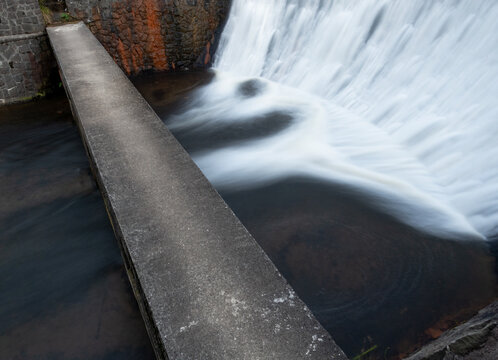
(394, 99)
(357, 268)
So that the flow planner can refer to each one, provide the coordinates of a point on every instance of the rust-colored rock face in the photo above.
(154, 34)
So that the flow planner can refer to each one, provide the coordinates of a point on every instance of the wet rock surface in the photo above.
(154, 34)
(473, 340)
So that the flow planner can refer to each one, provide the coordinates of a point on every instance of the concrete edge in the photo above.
(131, 272)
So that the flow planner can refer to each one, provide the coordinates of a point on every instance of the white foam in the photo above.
(398, 99)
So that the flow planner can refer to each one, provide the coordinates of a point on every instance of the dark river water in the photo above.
(377, 285)
(64, 293)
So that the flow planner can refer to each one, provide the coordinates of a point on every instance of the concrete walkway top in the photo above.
(205, 288)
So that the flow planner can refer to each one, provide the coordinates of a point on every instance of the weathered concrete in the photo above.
(205, 288)
(477, 339)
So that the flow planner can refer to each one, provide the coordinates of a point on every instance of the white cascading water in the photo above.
(396, 99)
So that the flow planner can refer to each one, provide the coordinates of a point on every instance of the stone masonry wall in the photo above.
(25, 57)
(18, 17)
(154, 34)
(25, 65)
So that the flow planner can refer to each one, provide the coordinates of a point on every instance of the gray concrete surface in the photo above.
(205, 287)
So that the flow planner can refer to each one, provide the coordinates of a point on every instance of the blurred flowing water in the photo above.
(356, 140)
(394, 99)
(64, 293)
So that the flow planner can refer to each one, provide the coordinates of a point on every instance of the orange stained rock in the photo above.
(207, 58)
(434, 332)
(124, 58)
(135, 36)
(138, 58)
(137, 51)
(155, 42)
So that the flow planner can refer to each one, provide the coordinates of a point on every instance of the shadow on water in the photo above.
(205, 138)
(372, 281)
(64, 290)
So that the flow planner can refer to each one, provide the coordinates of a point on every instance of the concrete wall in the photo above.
(154, 34)
(25, 57)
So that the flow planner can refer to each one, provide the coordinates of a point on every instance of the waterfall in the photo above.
(395, 99)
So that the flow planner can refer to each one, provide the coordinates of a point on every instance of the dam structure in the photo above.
(205, 288)
(285, 179)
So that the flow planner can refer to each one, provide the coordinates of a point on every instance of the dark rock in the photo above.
(477, 339)
(251, 88)
(161, 33)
